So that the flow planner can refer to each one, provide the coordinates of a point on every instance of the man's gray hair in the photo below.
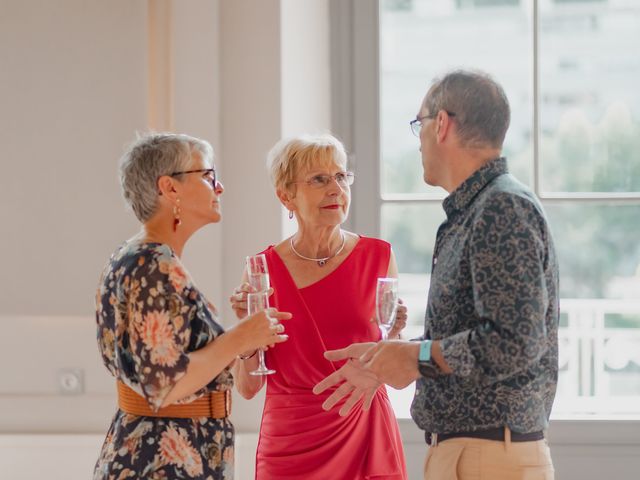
(479, 103)
(151, 156)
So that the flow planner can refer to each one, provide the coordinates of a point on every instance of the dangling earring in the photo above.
(176, 215)
(290, 214)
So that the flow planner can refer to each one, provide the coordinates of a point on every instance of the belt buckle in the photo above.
(434, 440)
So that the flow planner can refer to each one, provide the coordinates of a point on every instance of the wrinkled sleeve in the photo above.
(507, 260)
(158, 326)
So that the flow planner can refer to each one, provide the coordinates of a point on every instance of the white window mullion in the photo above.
(536, 95)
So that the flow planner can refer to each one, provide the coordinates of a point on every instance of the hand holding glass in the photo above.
(256, 302)
(386, 304)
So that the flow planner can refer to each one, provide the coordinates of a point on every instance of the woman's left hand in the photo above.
(400, 322)
(238, 300)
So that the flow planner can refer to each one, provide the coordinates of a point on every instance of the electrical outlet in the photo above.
(71, 381)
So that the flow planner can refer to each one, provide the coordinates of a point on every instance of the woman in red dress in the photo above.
(326, 277)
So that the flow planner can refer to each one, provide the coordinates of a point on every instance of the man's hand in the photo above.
(356, 382)
(393, 362)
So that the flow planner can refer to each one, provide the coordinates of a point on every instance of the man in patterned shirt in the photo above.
(487, 364)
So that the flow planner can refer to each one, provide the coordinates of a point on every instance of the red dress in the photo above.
(298, 439)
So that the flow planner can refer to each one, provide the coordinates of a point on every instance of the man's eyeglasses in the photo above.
(210, 172)
(344, 179)
(416, 124)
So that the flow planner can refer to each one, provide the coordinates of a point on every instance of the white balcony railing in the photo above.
(599, 360)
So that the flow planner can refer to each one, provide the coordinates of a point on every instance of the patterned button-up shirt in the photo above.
(493, 302)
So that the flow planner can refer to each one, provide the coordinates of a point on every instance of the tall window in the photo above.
(571, 71)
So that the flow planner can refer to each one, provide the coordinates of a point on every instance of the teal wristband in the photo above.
(425, 351)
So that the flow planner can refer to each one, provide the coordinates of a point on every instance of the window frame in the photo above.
(355, 47)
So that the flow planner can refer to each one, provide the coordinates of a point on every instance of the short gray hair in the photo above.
(151, 156)
(291, 155)
(480, 105)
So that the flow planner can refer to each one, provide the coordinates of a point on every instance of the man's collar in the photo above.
(462, 196)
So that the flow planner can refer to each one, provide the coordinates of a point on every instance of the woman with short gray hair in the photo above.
(157, 333)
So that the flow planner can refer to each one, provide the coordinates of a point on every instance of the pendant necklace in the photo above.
(320, 261)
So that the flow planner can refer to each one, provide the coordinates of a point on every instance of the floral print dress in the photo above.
(149, 316)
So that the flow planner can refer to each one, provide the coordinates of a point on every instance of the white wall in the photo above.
(197, 111)
(305, 67)
(76, 84)
(71, 94)
(78, 79)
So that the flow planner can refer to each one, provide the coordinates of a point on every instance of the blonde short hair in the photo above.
(292, 155)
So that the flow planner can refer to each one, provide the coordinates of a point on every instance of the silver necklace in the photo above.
(320, 261)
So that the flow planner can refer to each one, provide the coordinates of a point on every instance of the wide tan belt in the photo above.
(212, 405)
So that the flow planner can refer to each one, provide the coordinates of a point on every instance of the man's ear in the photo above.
(443, 126)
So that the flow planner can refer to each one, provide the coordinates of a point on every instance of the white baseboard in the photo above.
(72, 457)
(54, 457)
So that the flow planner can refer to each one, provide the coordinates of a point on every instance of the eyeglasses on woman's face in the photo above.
(210, 173)
(322, 180)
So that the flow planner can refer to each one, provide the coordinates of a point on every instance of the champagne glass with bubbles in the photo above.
(257, 301)
(258, 272)
(386, 304)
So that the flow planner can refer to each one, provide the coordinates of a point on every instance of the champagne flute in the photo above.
(386, 304)
(256, 302)
(258, 272)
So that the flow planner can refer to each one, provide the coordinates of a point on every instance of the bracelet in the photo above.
(247, 357)
(425, 351)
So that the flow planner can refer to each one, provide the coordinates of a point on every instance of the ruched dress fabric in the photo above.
(298, 439)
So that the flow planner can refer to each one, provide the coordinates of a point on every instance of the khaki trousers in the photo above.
(479, 459)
